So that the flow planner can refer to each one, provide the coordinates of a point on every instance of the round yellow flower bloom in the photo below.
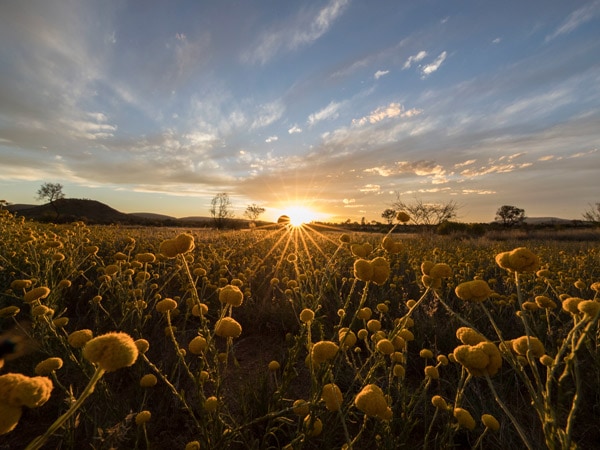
(363, 270)
(381, 270)
(181, 244)
(192, 445)
(198, 345)
(371, 401)
(307, 315)
(228, 327)
(47, 366)
(332, 396)
(79, 338)
(570, 304)
(545, 302)
(391, 245)
(490, 422)
(464, 418)
(480, 359)
(347, 338)
(373, 325)
(165, 305)
(9, 311)
(589, 307)
(148, 380)
(36, 294)
(211, 404)
(364, 313)
(385, 346)
(300, 408)
(274, 366)
(19, 390)
(469, 336)
(9, 417)
(432, 372)
(426, 353)
(518, 260)
(145, 257)
(323, 351)
(111, 351)
(426, 267)
(142, 345)
(440, 270)
(231, 295)
(402, 217)
(359, 250)
(399, 371)
(313, 427)
(523, 344)
(143, 417)
(439, 402)
(475, 291)
(18, 285)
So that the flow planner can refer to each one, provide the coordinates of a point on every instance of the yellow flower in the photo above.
(47, 366)
(198, 345)
(399, 370)
(143, 417)
(148, 380)
(359, 250)
(475, 291)
(469, 336)
(363, 270)
(145, 257)
(300, 408)
(524, 343)
(181, 244)
(9, 311)
(313, 427)
(385, 346)
(165, 305)
(142, 345)
(480, 359)
(111, 351)
(402, 217)
(439, 402)
(373, 325)
(432, 372)
(79, 338)
(490, 422)
(570, 304)
(346, 337)
(9, 417)
(364, 313)
(274, 366)
(18, 285)
(19, 390)
(381, 270)
(192, 445)
(307, 315)
(391, 245)
(228, 327)
(211, 404)
(464, 418)
(231, 295)
(589, 307)
(518, 260)
(545, 302)
(332, 396)
(371, 401)
(440, 270)
(36, 294)
(426, 353)
(323, 351)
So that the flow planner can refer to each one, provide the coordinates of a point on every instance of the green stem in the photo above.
(39, 441)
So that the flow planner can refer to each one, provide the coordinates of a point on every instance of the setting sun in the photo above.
(299, 215)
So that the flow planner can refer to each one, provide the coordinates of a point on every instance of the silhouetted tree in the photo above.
(51, 192)
(253, 211)
(510, 215)
(592, 214)
(389, 215)
(422, 213)
(220, 209)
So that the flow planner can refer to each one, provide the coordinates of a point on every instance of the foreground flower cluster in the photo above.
(293, 338)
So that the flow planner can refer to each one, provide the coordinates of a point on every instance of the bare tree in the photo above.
(253, 211)
(592, 214)
(510, 215)
(51, 192)
(389, 215)
(422, 213)
(220, 209)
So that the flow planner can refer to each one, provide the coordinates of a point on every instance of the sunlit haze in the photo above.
(332, 107)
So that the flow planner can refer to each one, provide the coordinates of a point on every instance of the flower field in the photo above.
(287, 337)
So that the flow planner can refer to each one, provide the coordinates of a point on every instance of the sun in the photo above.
(299, 215)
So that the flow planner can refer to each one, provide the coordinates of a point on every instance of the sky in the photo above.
(338, 106)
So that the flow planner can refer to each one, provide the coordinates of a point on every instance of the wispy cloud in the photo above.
(331, 111)
(386, 112)
(295, 129)
(297, 32)
(414, 59)
(434, 66)
(380, 73)
(576, 19)
(271, 139)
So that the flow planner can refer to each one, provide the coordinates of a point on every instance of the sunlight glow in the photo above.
(300, 215)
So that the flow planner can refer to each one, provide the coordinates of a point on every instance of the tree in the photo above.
(592, 214)
(389, 215)
(510, 215)
(422, 213)
(51, 192)
(253, 211)
(220, 209)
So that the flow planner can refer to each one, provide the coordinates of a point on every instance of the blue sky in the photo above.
(338, 105)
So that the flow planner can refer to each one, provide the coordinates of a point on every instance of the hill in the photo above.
(72, 209)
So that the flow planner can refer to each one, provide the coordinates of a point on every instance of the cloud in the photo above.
(386, 112)
(331, 111)
(413, 59)
(271, 139)
(297, 32)
(380, 73)
(497, 40)
(576, 19)
(435, 65)
(267, 114)
(295, 129)
(372, 188)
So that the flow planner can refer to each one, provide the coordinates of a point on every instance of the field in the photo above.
(288, 337)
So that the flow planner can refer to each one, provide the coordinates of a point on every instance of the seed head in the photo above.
(111, 351)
